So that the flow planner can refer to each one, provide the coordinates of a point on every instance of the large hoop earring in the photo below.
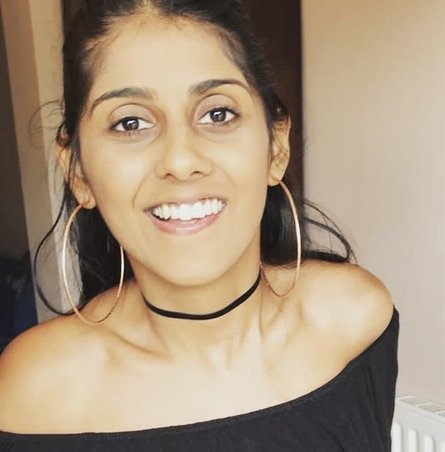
(298, 237)
(66, 232)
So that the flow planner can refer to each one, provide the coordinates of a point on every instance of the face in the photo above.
(175, 153)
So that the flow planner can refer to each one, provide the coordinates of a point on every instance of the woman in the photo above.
(174, 147)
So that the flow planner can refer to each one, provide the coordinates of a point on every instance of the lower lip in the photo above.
(178, 227)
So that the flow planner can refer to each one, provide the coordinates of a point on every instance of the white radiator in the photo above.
(419, 425)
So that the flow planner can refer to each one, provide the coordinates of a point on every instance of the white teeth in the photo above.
(174, 212)
(215, 207)
(165, 212)
(187, 212)
(198, 210)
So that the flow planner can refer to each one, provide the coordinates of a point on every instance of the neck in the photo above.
(209, 315)
(212, 336)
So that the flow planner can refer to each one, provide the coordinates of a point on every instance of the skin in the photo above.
(139, 370)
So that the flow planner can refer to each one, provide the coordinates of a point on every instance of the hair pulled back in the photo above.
(85, 38)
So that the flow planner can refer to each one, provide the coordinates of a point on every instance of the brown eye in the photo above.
(132, 124)
(218, 116)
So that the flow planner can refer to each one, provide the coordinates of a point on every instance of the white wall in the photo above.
(375, 132)
(33, 34)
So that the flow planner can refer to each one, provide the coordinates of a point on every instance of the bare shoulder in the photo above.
(37, 369)
(347, 300)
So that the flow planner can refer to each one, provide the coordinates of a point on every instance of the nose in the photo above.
(182, 156)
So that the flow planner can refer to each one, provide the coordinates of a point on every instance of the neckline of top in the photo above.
(213, 423)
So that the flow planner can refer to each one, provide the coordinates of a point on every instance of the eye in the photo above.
(218, 116)
(132, 124)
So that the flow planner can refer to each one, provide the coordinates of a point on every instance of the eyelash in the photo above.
(140, 130)
(222, 123)
(130, 132)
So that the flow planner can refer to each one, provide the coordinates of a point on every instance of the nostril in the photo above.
(184, 167)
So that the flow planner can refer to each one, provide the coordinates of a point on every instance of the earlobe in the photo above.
(74, 177)
(280, 153)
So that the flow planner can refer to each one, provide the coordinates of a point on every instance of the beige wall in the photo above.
(13, 239)
(375, 133)
(33, 44)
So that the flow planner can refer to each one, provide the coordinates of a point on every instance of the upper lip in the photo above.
(186, 200)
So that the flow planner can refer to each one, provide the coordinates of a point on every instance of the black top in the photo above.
(351, 413)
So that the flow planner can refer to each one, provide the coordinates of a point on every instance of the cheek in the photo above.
(253, 157)
(115, 178)
(113, 175)
(249, 173)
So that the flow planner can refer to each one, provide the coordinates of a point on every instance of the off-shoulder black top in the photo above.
(351, 413)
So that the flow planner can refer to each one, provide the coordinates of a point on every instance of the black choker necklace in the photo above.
(212, 315)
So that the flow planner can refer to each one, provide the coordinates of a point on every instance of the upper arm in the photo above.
(33, 377)
(41, 375)
(370, 308)
(18, 377)
(352, 304)
(26, 374)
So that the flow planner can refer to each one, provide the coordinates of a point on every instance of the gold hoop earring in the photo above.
(298, 236)
(66, 232)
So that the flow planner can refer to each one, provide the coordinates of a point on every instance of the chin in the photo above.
(201, 265)
(193, 275)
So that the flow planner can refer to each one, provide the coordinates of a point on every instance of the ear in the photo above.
(75, 177)
(280, 155)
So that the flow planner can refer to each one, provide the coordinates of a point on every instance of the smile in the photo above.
(188, 212)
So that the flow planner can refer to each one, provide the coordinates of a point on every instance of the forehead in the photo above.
(164, 55)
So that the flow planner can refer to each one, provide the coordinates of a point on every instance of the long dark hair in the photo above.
(96, 248)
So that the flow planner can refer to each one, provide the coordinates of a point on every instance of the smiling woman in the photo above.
(206, 319)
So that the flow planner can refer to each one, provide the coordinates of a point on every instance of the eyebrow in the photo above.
(148, 94)
(203, 87)
(131, 91)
